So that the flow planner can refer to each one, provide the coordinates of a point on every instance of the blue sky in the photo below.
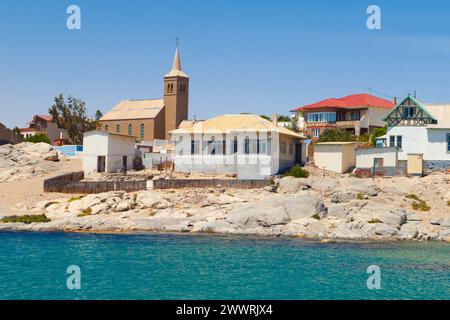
(256, 56)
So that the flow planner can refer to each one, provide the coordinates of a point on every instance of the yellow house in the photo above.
(337, 157)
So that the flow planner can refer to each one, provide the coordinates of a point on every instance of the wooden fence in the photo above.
(70, 183)
(209, 183)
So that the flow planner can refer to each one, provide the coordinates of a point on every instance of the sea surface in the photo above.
(155, 266)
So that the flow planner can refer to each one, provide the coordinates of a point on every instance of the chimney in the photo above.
(275, 119)
(394, 100)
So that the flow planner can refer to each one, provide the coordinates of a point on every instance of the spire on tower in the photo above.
(176, 66)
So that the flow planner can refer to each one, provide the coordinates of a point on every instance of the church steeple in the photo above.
(176, 95)
(176, 67)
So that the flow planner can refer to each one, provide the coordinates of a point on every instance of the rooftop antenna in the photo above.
(177, 41)
(382, 94)
(415, 94)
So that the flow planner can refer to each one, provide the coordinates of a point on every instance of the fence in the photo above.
(211, 183)
(70, 183)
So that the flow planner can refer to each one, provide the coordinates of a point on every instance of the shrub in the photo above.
(42, 137)
(413, 197)
(364, 137)
(378, 132)
(448, 203)
(335, 135)
(316, 216)
(421, 206)
(418, 204)
(27, 219)
(85, 212)
(74, 199)
(375, 220)
(297, 172)
(360, 196)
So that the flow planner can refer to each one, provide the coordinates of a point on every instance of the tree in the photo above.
(16, 130)
(293, 123)
(98, 115)
(41, 137)
(378, 132)
(71, 115)
(335, 135)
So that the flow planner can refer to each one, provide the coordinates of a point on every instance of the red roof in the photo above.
(45, 117)
(27, 130)
(354, 100)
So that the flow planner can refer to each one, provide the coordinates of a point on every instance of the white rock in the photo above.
(384, 229)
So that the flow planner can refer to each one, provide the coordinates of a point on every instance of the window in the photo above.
(142, 131)
(118, 128)
(378, 162)
(247, 145)
(391, 141)
(399, 142)
(409, 112)
(316, 133)
(396, 141)
(321, 117)
(106, 128)
(283, 148)
(235, 145)
(291, 148)
(130, 129)
(356, 115)
(195, 147)
(448, 142)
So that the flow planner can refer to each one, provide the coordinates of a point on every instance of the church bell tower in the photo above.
(176, 95)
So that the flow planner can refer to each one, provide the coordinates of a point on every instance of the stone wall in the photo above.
(8, 136)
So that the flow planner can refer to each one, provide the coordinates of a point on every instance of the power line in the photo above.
(382, 94)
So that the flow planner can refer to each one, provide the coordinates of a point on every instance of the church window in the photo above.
(142, 131)
(130, 129)
(118, 128)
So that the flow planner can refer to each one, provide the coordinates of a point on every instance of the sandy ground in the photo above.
(32, 190)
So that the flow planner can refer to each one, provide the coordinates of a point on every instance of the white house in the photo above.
(107, 152)
(420, 129)
(245, 144)
(376, 161)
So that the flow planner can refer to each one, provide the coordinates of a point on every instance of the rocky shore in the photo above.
(319, 207)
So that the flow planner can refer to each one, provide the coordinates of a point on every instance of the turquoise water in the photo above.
(33, 266)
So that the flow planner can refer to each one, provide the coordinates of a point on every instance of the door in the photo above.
(101, 163)
(298, 153)
(125, 163)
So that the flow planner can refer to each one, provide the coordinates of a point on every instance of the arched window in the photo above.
(142, 131)
(118, 128)
(106, 128)
(130, 129)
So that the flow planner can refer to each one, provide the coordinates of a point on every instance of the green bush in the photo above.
(297, 172)
(27, 219)
(375, 220)
(85, 212)
(42, 137)
(378, 132)
(316, 216)
(336, 135)
(74, 199)
(418, 204)
(364, 137)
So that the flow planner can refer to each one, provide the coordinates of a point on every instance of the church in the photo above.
(152, 119)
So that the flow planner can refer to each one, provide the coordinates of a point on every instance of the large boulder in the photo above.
(342, 196)
(148, 199)
(408, 231)
(217, 226)
(380, 214)
(387, 230)
(292, 184)
(276, 210)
